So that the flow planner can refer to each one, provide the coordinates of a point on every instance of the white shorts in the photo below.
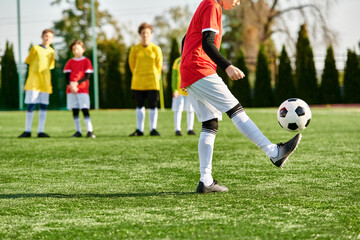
(78, 101)
(210, 97)
(36, 97)
(181, 103)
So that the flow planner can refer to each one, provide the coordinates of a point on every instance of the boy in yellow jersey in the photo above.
(38, 84)
(146, 61)
(180, 101)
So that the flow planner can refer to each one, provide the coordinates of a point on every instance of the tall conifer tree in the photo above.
(352, 79)
(285, 87)
(241, 88)
(330, 88)
(306, 82)
(9, 79)
(263, 96)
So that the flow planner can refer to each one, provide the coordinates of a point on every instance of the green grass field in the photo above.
(117, 187)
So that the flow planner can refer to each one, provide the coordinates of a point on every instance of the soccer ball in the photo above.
(294, 115)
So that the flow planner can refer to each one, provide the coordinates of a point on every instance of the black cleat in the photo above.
(285, 150)
(178, 133)
(191, 132)
(43, 135)
(136, 133)
(90, 135)
(154, 133)
(214, 187)
(76, 135)
(25, 135)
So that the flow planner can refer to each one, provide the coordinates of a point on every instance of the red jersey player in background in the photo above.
(209, 95)
(78, 71)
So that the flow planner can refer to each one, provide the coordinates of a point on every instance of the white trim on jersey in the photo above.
(89, 71)
(210, 29)
(67, 71)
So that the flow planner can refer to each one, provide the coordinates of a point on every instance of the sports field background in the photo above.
(117, 187)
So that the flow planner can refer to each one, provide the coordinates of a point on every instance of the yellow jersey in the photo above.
(145, 64)
(176, 77)
(40, 61)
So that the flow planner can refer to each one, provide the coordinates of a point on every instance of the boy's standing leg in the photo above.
(88, 124)
(42, 119)
(153, 96)
(28, 121)
(190, 115)
(77, 124)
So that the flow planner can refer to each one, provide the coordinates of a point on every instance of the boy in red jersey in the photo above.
(78, 71)
(209, 95)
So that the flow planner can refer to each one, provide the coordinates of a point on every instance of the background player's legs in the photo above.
(177, 120)
(248, 128)
(153, 96)
(140, 118)
(205, 148)
(76, 117)
(42, 117)
(190, 121)
(140, 110)
(153, 117)
(88, 124)
(29, 117)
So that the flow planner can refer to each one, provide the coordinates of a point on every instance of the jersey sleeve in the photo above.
(31, 55)
(211, 19)
(89, 67)
(67, 68)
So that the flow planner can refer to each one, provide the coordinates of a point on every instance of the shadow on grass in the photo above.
(92, 195)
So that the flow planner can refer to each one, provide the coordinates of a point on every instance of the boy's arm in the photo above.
(86, 77)
(208, 44)
(182, 44)
(67, 77)
(174, 80)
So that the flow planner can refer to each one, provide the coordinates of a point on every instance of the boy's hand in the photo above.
(176, 94)
(73, 87)
(234, 73)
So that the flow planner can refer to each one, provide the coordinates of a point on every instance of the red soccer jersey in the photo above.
(195, 63)
(77, 67)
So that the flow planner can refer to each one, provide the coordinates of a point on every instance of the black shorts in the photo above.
(151, 95)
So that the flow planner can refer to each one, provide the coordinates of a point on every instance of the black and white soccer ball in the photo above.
(294, 115)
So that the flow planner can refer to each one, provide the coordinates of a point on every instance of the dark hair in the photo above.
(77, 42)
(47, 31)
(143, 26)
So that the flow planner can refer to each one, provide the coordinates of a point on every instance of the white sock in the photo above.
(28, 122)
(177, 120)
(88, 124)
(248, 128)
(153, 116)
(77, 124)
(190, 120)
(140, 118)
(42, 118)
(205, 148)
